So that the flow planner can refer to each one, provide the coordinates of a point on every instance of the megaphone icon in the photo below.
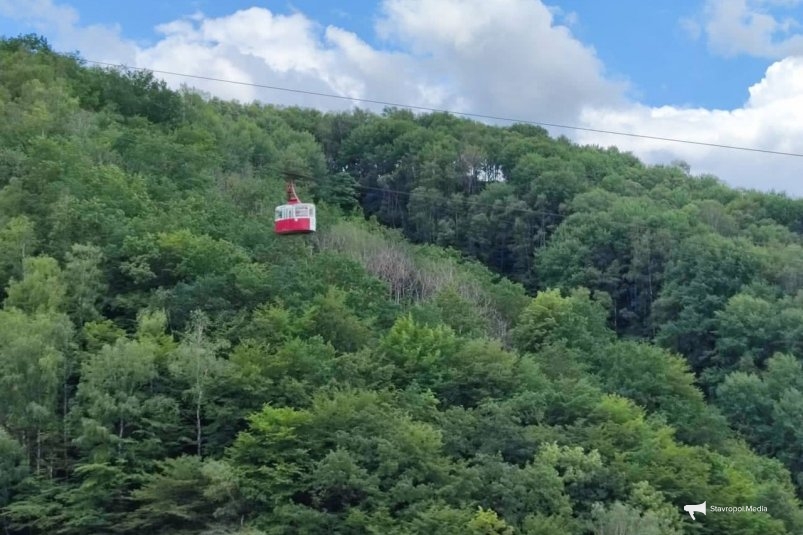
(699, 508)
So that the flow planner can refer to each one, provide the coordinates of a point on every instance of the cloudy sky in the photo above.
(726, 72)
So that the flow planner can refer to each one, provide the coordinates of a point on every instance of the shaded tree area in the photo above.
(493, 331)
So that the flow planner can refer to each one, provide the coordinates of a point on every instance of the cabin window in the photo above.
(302, 211)
(284, 212)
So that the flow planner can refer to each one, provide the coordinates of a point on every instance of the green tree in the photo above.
(622, 519)
(419, 353)
(86, 285)
(705, 272)
(33, 352)
(41, 289)
(577, 321)
(119, 414)
(364, 379)
(13, 467)
(196, 364)
(330, 317)
(186, 495)
(17, 241)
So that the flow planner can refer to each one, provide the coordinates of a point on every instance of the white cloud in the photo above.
(42, 13)
(62, 21)
(753, 27)
(259, 47)
(771, 119)
(506, 58)
(451, 59)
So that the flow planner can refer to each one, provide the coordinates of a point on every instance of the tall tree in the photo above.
(196, 364)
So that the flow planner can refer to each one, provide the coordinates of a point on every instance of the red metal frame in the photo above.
(301, 225)
(293, 226)
(292, 198)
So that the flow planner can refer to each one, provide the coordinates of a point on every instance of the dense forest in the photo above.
(493, 332)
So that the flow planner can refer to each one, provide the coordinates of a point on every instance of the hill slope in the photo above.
(168, 364)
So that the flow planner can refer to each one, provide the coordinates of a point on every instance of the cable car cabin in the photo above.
(295, 217)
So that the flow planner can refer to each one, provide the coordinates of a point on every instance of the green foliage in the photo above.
(765, 407)
(753, 328)
(196, 365)
(418, 352)
(33, 359)
(492, 331)
(481, 370)
(621, 519)
(576, 321)
(85, 281)
(41, 289)
(185, 495)
(116, 402)
(342, 452)
(13, 467)
(330, 318)
(17, 241)
(662, 383)
(339, 190)
(711, 266)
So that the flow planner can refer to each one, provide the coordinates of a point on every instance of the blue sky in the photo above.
(646, 42)
(643, 42)
(718, 71)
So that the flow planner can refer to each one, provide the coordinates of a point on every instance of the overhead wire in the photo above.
(446, 111)
(633, 226)
(464, 200)
(452, 112)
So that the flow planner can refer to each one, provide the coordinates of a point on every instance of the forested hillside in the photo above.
(493, 331)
